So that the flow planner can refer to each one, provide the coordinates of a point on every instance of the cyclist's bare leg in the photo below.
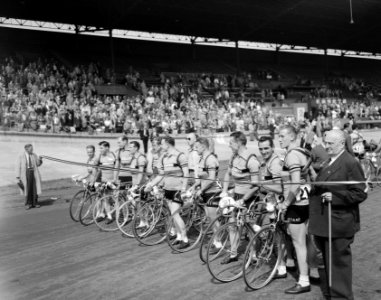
(178, 221)
(298, 234)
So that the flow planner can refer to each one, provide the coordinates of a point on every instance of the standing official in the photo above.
(345, 219)
(28, 176)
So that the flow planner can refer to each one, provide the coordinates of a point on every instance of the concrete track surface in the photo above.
(45, 255)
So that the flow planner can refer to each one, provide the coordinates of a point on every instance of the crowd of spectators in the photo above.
(47, 96)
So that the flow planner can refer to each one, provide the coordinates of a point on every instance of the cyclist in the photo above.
(193, 156)
(90, 150)
(138, 167)
(123, 160)
(207, 175)
(295, 169)
(243, 169)
(105, 159)
(154, 155)
(173, 163)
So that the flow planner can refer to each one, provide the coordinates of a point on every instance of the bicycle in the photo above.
(85, 213)
(156, 215)
(193, 215)
(372, 169)
(78, 199)
(114, 199)
(264, 253)
(236, 234)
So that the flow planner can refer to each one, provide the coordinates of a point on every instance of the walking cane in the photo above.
(329, 244)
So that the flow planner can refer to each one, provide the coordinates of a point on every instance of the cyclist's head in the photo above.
(134, 147)
(104, 147)
(192, 137)
(122, 141)
(237, 140)
(287, 135)
(156, 143)
(202, 145)
(266, 147)
(90, 149)
(167, 143)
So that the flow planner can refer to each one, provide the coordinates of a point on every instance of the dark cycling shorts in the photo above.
(173, 196)
(211, 199)
(297, 214)
(123, 180)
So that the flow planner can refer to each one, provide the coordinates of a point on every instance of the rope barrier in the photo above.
(254, 183)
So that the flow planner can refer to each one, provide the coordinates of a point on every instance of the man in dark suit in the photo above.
(345, 200)
(144, 135)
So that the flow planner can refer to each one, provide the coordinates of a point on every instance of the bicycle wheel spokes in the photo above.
(86, 210)
(125, 216)
(208, 233)
(143, 221)
(75, 205)
(231, 243)
(105, 213)
(157, 232)
(262, 258)
(194, 218)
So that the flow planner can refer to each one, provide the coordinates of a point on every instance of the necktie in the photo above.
(30, 161)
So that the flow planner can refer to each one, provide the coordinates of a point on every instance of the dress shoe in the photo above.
(172, 237)
(228, 259)
(279, 276)
(298, 289)
(183, 245)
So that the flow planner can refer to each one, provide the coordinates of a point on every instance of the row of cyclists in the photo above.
(197, 171)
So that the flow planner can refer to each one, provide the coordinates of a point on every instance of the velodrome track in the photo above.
(45, 255)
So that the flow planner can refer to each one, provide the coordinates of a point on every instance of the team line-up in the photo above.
(178, 197)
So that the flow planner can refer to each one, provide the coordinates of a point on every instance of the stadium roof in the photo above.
(312, 23)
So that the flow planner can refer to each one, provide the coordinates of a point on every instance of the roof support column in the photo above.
(112, 51)
(237, 58)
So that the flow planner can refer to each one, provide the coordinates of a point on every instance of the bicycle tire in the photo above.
(85, 213)
(157, 233)
(262, 258)
(231, 271)
(127, 209)
(75, 205)
(114, 202)
(207, 234)
(194, 218)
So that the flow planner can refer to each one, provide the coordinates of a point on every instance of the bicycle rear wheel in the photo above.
(85, 212)
(75, 205)
(126, 215)
(262, 258)
(216, 257)
(157, 229)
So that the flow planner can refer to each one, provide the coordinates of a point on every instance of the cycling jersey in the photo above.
(242, 168)
(205, 165)
(138, 160)
(107, 160)
(124, 158)
(297, 159)
(173, 164)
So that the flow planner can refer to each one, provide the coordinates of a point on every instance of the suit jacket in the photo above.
(318, 155)
(21, 166)
(345, 198)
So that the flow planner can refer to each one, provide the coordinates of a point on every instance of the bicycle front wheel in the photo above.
(85, 212)
(125, 217)
(75, 205)
(156, 233)
(225, 260)
(262, 258)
